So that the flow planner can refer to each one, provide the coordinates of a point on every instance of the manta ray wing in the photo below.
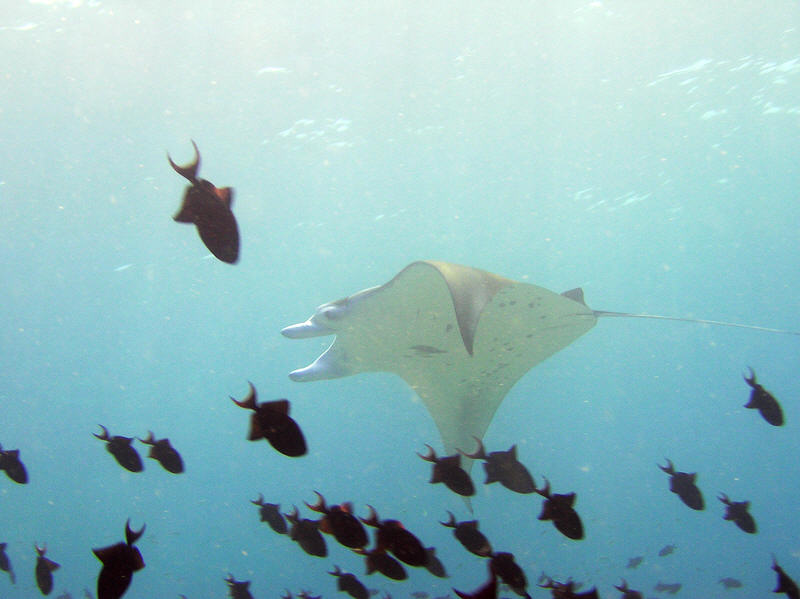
(459, 336)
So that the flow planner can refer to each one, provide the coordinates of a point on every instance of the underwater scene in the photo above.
(403, 300)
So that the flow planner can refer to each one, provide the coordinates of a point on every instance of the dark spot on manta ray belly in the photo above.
(427, 350)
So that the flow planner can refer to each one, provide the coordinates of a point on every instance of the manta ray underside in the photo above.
(460, 337)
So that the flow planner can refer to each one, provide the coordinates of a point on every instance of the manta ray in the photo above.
(459, 336)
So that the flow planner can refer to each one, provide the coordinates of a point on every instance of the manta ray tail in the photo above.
(721, 323)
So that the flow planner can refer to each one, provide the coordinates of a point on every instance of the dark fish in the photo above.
(209, 209)
(306, 533)
(737, 511)
(5, 563)
(503, 467)
(668, 587)
(377, 560)
(567, 590)
(348, 583)
(634, 562)
(486, 591)
(44, 570)
(730, 583)
(271, 514)
(683, 485)
(785, 584)
(559, 508)
(763, 401)
(271, 421)
(339, 521)
(238, 589)
(666, 550)
(392, 536)
(15, 469)
(162, 451)
(119, 561)
(628, 593)
(448, 470)
(503, 565)
(434, 565)
(122, 450)
(469, 536)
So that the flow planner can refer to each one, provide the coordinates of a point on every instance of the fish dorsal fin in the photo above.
(225, 194)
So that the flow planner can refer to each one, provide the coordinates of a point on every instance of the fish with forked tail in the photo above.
(208, 208)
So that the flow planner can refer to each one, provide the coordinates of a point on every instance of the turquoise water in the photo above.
(643, 151)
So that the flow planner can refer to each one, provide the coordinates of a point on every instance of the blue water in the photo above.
(644, 151)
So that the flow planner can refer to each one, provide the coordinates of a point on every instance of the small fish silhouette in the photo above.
(634, 562)
(503, 565)
(5, 563)
(737, 511)
(339, 521)
(730, 583)
(348, 583)
(238, 589)
(668, 587)
(271, 514)
(433, 564)
(559, 509)
(119, 561)
(628, 593)
(785, 584)
(469, 536)
(448, 470)
(763, 401)
(392, 536)
(122, 450)
(684, 485)
(14, 468)
(164, 453)
(209, 209)
(567, 590)
(306, 533)
(503, 467)
(666, 550)
(44, 570)
(378, 560)
(271, 421)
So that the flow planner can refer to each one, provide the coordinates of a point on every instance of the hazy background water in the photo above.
(644, 151)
